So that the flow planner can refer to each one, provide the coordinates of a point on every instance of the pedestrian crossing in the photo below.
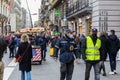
(9, 69)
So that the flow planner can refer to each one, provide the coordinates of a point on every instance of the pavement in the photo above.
(49, 70)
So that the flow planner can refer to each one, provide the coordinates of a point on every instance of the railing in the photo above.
(77, 6)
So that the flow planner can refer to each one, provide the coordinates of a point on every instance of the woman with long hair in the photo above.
(25, 50)
(104, 45)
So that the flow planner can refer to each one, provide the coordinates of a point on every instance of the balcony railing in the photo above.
(77, 6)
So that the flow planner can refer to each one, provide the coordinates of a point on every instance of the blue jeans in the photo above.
(28, 74)
(43, 53)
(15, 51)
(112, 58)
(96, 70)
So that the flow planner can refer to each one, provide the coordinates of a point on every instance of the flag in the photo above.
(36, 54)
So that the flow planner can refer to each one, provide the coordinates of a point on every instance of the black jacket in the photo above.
(42, 42)
(103, 49)
(113, 46)
(3, 46)
(25, 64)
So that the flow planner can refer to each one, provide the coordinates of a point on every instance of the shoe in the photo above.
(44, 59)
(115, 72)
(104, 74)
(111, 73)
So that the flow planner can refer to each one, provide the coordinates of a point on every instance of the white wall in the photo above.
(13, 22)
(110, 11)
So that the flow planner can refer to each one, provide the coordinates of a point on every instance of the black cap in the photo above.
(94, 30)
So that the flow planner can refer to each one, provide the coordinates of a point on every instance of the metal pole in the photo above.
(29, 13)
(2, 27)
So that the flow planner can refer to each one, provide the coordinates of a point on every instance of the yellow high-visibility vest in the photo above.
(92, 51)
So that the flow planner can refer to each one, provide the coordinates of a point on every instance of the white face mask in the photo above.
(71, 36)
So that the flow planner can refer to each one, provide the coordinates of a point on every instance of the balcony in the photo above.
(79, 8)
(55, 3)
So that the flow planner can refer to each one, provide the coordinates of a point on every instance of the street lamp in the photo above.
(2, 20)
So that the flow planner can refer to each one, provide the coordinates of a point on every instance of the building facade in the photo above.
(15, 9)
(57, 10)
(44, 16)
(23, 21)
(28, 21)
(83, 15)
(79, 16)
(106, 15)
(4, 15)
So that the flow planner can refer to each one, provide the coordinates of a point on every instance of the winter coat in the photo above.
(82, 46)
(53, 42)
(42, 42)
(3, 46)
(103, 49)
(16, 41)
(36, 38)
(64, 44)
(113, 46)
(25, 64)
(11, 44)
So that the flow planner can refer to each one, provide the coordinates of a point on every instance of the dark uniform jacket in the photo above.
(66, 55)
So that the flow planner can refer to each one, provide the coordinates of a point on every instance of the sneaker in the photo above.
(104, 74)
(115, 71)
(44, 59)
(111, 73)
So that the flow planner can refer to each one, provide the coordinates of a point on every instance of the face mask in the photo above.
(71, 36)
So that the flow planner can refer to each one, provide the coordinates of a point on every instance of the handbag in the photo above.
(19, 59)
(51, 51)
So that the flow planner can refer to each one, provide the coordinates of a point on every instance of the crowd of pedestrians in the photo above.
(92, 49)
(69, 48)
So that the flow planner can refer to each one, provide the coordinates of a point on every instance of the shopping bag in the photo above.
(51, 51)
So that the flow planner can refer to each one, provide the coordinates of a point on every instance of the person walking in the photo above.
(25, 64)
(11, 47)
(53, 42)
(42, 42)
(104, 45)
(112, 50)
(92, 54)
(68, 49)
(16, 44)
(82, 46)
(3, 46)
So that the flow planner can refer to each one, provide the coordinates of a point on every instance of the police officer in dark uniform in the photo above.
(68, 49)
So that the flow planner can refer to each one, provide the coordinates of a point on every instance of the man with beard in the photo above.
(92, 54)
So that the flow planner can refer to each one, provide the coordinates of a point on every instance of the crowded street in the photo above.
(49, 70)
(59, 39)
